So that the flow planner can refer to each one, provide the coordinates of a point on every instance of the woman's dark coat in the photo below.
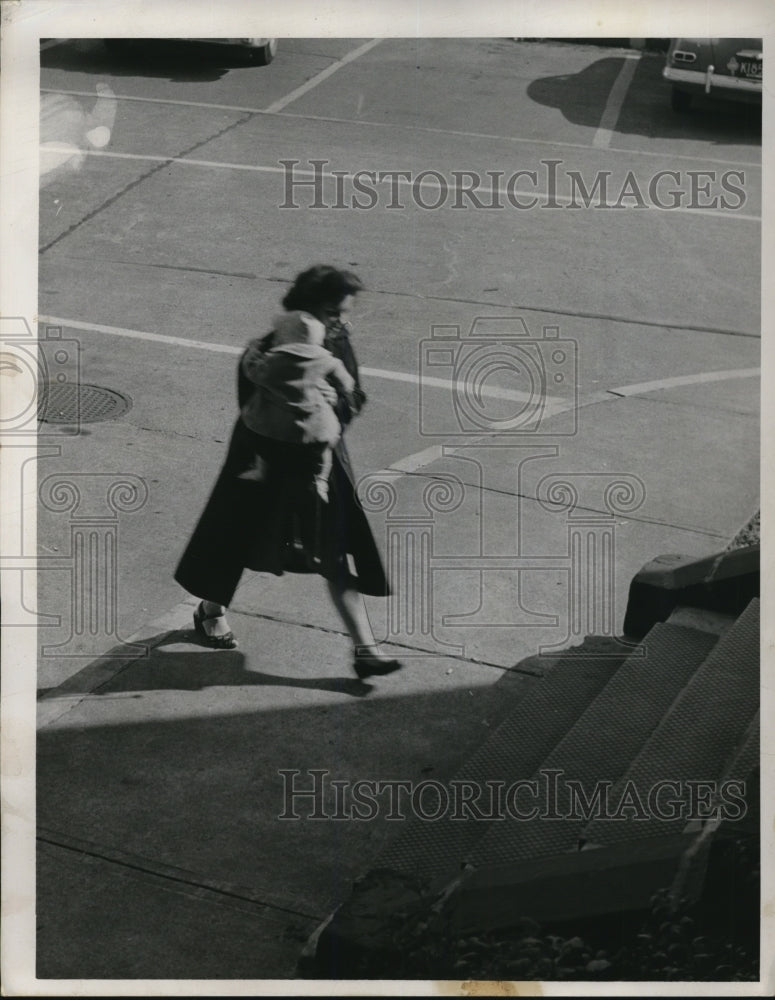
(280, 524)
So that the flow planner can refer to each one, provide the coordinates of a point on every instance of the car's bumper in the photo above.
(708, 81)
(249, 43)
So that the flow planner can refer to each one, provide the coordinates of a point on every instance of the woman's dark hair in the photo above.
(321, 285)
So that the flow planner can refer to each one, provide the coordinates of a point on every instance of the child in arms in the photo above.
(289, 403)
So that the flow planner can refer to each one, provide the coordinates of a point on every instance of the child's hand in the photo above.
(329, 393)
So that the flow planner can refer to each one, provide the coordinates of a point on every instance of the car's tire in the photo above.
(262, 55)
(680, 100)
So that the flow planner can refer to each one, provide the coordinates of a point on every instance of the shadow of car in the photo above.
(259, 51)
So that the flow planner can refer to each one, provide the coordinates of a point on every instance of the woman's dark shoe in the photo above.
(204, 628)
(374, 666)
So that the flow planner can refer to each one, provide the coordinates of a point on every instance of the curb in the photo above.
(71, 692)
(725, 582)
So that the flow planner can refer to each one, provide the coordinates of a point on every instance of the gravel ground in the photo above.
(748, 534)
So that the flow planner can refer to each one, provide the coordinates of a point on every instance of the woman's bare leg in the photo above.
(215, 618)
(350, 605)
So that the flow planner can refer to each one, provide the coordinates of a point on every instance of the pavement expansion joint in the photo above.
(694, 407)
(496, 491)
(139, 180)
(417, 650)
(168, 433)
(56, 702)
(160, 871)
(59, 700)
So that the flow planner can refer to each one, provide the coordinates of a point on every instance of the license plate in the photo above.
(749, 69)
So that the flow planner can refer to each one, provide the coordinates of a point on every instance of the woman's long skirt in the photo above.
(279, 524)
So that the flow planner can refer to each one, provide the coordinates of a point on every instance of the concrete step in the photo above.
(702, 619)
(724, 582)
(709, 721)
(598, 749)
(579, 884)
(546, 711)
(744, 767)
(369, 933)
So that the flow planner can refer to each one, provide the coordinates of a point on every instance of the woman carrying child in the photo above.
(285, 499)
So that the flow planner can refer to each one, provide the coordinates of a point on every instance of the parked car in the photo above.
(261, 51)
(727, 68)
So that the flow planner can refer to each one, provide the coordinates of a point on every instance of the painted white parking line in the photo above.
(120, 331)
(497, 195)
(205, 105)
(53, 147)
(427, 381)
(427, 456)
(323, 75)
(411, 463)
(422, 459)
(519, 140)
(430, 381)
(615, 101)
(678, 380)
(396, 126)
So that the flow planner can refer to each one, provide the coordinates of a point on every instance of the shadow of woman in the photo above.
(194, 670)
(582, 96)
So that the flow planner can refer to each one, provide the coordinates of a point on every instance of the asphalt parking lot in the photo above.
(176, 229)
(467, 181)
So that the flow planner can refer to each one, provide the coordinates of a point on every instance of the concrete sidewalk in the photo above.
(160, 793)
(162, 854)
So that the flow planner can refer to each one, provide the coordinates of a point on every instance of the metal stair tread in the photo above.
(603, 741)
(515, 748)
(707, 725)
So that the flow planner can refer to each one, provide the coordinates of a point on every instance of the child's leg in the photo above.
(323, 472)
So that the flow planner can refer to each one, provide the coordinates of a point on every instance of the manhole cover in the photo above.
(70, 403)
